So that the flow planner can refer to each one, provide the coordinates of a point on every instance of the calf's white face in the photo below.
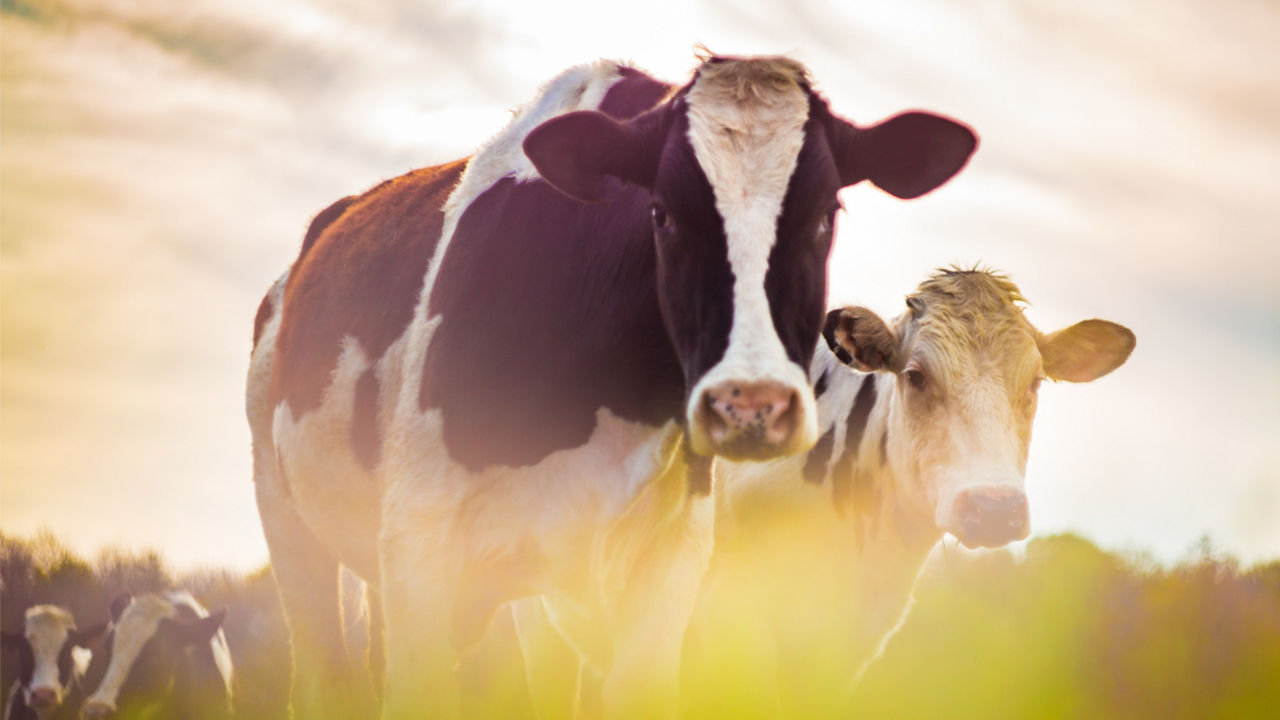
(968, 366)
(46, 662)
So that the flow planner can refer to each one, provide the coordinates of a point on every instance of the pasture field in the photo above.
(1066, 631)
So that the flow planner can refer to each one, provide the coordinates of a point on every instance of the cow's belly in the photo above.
(547, 528)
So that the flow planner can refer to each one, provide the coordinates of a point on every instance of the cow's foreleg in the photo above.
(650, 623)
(420, 570)
(552, 667)
(307, 581)
(377, 640)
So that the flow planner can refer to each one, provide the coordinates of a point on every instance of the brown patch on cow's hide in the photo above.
(359, 274)
(265, 309)
(322, 221)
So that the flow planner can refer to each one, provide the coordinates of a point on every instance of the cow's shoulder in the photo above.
(359, 274)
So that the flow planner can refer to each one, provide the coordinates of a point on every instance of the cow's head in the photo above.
(968, 367)
(47, 663)
(743, 166)
(141, 656)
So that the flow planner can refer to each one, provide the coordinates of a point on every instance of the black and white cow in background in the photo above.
(925, 430)
(165, 656)
(52, 659)
(506, 377)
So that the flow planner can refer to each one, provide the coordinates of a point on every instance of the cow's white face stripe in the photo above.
(748, 151)
(136, 626)
(47, 628)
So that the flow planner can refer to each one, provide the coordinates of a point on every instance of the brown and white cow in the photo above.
(925, 430)
(507, 376)
(52, 659)
(165, 656)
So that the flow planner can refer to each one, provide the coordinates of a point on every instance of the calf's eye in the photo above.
(1035, 385)
(662, 220)
(915, 376)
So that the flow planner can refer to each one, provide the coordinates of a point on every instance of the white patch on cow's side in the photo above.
(47, 628)
(334, 494)
(554, 509)
(747, 134)
(80, 659)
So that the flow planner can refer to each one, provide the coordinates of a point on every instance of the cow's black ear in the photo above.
(118, 604)
(87, 637)
(867, 343)
(575, 151)
(906, 156)
(199, 631)
(11, 641)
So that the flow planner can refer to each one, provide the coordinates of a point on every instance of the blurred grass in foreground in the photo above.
(1068, 631)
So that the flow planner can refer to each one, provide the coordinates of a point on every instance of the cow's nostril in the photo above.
(715, 418)
(780, 419)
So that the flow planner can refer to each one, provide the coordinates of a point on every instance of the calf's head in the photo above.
(968, 367)
(46, 661)
(142, 653)
(742, 167)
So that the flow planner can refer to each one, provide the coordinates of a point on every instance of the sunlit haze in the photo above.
(161, 162)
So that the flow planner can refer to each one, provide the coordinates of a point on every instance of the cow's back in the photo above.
(359, 275)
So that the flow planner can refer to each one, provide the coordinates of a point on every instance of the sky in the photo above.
(160, 161)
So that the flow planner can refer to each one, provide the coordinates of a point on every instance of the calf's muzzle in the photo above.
(990, 517)
(44, 698)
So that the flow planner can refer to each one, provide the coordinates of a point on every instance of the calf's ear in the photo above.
(200, 631)
(861, 339)
(87, 637)
(118, 604)
(575, 151)
(1086, 351)
(906, 156)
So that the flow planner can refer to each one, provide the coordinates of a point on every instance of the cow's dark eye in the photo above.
(662, 221)
(915, 377)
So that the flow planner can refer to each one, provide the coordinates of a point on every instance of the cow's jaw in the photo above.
(748, 152)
